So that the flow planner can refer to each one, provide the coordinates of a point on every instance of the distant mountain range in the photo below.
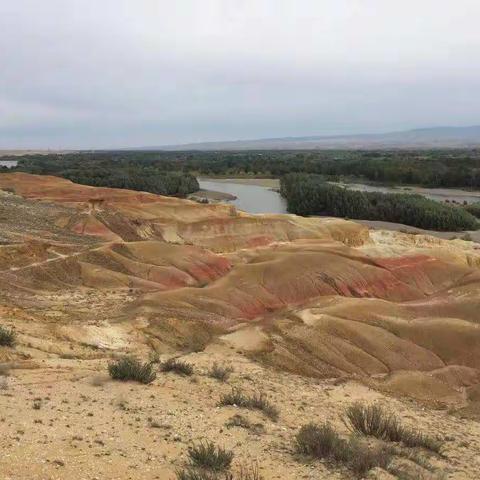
(436, 137)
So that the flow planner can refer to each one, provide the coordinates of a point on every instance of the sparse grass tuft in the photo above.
(243, 473)
(7, 337)
(176, 366)
(242, 422)
(127, 368)
(257, 401)
(323, 442)
(220, 372)
(208, 456)
(194, 474)
(372, 420)
(377, 422)
(154, 357)
(320, 441)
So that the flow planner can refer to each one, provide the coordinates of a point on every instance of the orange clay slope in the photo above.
(317, 296)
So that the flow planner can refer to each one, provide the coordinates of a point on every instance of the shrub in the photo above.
(244, 473)
(154, 357)
(128, 368)
(257, 401)
(194, 474)
(413, 438)
(320, 441)
(7, 337)
(208, 456)
(219, 372)
(323, 442)
(177, 366)
(377, 422)
(362, 457)
(372, 420)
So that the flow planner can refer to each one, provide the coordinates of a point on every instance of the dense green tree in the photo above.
(311, 195)
(434, 168)
(108, 171)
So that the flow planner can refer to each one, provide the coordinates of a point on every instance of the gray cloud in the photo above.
(112, 73)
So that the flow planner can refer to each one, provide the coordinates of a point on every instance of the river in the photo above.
(438, 194)
(256, 195)
(8, 163)
(251, 197)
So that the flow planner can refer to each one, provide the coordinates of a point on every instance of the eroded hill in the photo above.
(87, 273)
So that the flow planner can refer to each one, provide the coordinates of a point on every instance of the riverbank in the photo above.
(206, 196)
(248, 194)
(259, 182)
(452, 195)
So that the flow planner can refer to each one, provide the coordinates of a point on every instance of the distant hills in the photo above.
(435, 137)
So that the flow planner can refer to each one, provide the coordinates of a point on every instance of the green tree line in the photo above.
(434, 168)
(106, 172)
(311, 195)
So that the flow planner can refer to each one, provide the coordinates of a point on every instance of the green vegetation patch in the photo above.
(311, 195)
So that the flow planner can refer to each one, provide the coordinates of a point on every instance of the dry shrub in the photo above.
(242, 473)
(257, 401)
(323, 442)
(377, 422)
(220, 372)
(127, 368)
(177, 366)
(208, 456)
(7, 337)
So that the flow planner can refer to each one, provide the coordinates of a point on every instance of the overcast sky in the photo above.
(117, 73)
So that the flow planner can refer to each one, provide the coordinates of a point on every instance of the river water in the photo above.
(250, 198)
(8, 163)
(438, 194)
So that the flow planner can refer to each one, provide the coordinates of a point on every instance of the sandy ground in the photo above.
(212, 196)
(440, 194)
(67, 420)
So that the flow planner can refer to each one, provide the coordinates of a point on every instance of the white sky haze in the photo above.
(118, 73)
